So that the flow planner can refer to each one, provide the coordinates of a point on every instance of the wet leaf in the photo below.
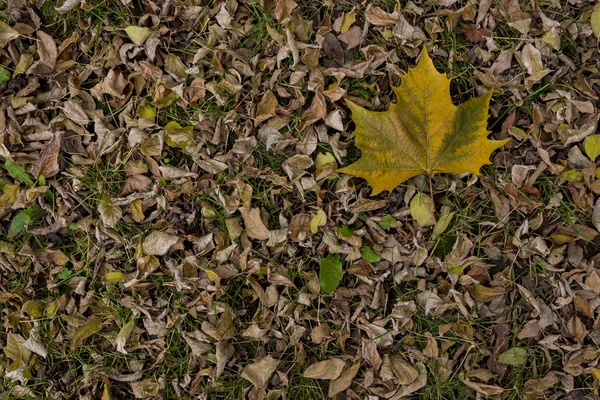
(330, 272)
(422, 133)
(34, 308)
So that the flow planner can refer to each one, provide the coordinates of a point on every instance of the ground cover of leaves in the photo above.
(169, 191)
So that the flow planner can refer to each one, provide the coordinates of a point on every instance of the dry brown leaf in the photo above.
(344, 381)
(255, 228)
(328, 369)
(158, 243)
(259, 372)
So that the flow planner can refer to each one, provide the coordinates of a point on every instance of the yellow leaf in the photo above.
(106, 390)
(113, 277)
(213, 276)
(10, 194)
(486, 294)
(147, 111)
(592, 146)
(422, 133)
(349, 19)
(178, 136)
(595, 20)
(318, 220)
(136, 211)
(88, 329)
(422, 209)
(34, 308)
(138, 34)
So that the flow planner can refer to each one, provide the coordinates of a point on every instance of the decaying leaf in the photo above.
(422, 133)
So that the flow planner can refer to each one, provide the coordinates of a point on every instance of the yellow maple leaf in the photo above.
(422, 133)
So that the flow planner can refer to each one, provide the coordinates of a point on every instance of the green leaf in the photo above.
(345, 231)
(25, 217)
(442, 224)
(592, 146)
(4, 75)
(514, 356)
(17, 172)
(330, 272)
(387, 222)
(369, 255)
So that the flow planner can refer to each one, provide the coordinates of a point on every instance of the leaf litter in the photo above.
(175, 223)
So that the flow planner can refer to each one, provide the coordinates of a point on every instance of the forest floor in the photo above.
(169, 193)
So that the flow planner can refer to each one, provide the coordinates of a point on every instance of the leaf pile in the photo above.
(173, 222)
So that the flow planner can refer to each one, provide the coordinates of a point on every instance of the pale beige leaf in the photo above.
(255, 228)
(47, 49)
(344, 381)
(7, 34)
(258, 373)
(158, 243)
(328, 369)
(67, 6)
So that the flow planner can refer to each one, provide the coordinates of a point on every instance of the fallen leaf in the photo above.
(158, 243)
(258, 373)
(255, 228)
(423, 132)
(328, 369)
(344, 381)
(514, 356)
(422, 209)
(330, 272)
(7, 34)
(595, 20)
(138, 34)
(88, 329)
